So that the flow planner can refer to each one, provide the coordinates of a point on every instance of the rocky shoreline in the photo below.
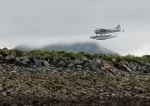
(58, 80)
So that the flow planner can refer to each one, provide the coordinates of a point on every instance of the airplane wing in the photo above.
(103, 29)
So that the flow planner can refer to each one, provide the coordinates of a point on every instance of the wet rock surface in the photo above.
(55, 80)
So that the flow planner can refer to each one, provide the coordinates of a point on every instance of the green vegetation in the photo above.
(5, 51)
(38, 53)
(110, 57)
(73, 55)
(146, 58)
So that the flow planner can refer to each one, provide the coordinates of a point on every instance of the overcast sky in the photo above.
(42, 22)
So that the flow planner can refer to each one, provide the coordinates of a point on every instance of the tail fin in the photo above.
(118, 27)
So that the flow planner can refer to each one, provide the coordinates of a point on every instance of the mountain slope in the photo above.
(87, 47)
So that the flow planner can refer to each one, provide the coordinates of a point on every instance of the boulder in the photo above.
(37, 62)
(1, 87)
(78, 61)
(62, 63)
(22, 61)
(55, 59)
(1, 57)
(45, 63)
(97, 63)
(85, 59)
(119, 65)
(127, 68)
(87, 64)
(79, 66)
(69, 61)
(71, 66)
(3, 93)
(107, 64)
(10, 58)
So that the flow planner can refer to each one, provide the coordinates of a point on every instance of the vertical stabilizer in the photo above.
(118, 27)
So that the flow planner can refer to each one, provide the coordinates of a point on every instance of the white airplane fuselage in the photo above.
(106, 31)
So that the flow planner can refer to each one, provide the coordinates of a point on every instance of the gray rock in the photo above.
(17, 59)
(1, 57)
(78, 69)
(46, 63)
(70, 66)
(14, 72)
(62, 63)
(84, 59)
(143, 67)
(9, 90)
(55, 59)
(107, 64)
(3, 93)
(69, 61)
(25, 58)
(127, 68)
(87, 64)
(78, 61)
(97, 63)
(37, 62)
(1, 87)
(93, 68)
(126, 94)
(134, 68)
(22, 60)
(79, 66)
(10, 57)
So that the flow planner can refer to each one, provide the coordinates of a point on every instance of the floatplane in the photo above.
(101, 34)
